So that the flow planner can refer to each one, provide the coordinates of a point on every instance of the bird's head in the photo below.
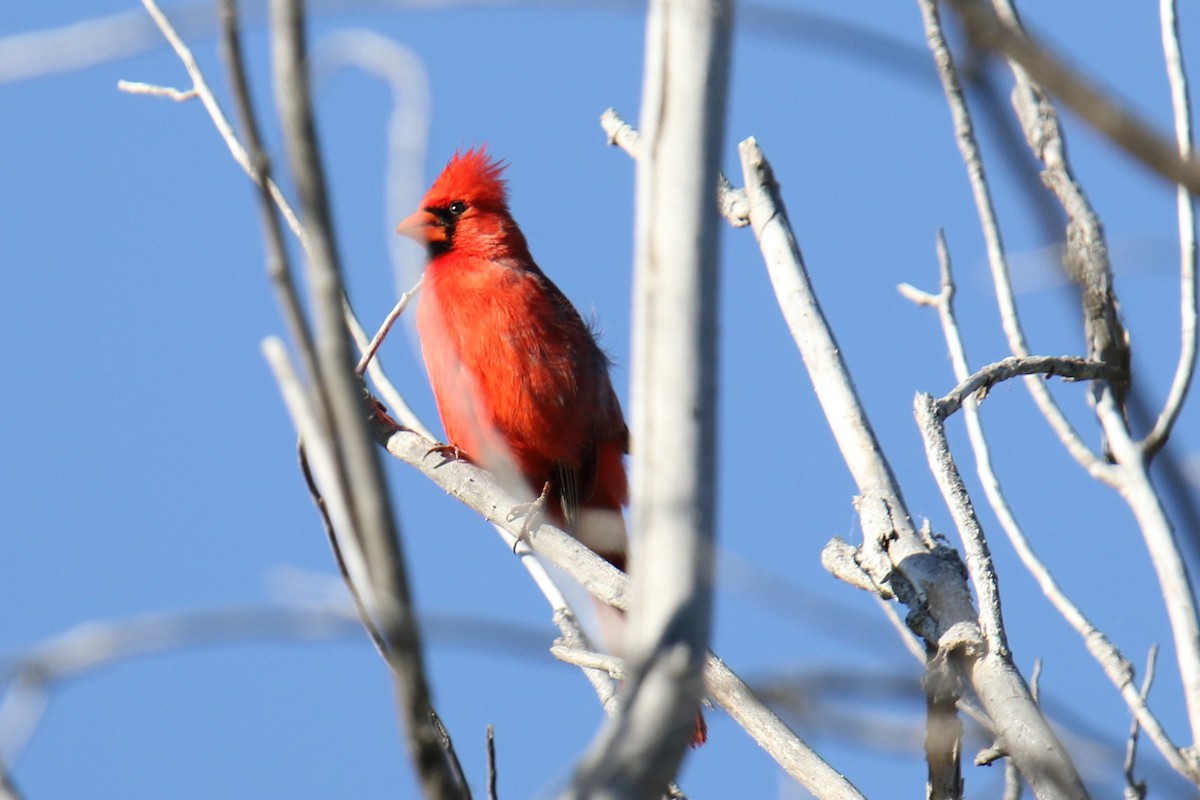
(466, 210)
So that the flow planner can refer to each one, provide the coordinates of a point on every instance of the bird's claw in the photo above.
(448, 452)
(532, 512)
(377, 414)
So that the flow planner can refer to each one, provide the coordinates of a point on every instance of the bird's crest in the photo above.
(473, 176)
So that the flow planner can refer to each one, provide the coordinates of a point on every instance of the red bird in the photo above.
(521, 385)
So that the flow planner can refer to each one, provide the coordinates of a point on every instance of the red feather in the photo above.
(521, 385)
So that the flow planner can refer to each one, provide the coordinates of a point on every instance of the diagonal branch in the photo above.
(988, 31)
(1118, 668)
(478, 490)
(964, 130)
(925, 576)
(357, 475)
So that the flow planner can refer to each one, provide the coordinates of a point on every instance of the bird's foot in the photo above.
(377, 415)
(448, 452)
(532, 512)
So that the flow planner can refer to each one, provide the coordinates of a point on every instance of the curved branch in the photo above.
(1118, 668)
(997, 260)
(1069, 367)
(1186, 368)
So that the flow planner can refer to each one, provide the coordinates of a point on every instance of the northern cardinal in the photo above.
(521, 385)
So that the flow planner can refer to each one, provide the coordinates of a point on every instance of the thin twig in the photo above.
(397, 405)
(372, 522)
(254, 163)
(491, 764)
(171, 93)
(1120, 125)
(978, 554)
(1085, 253)
(731, 201)
(282, 367)
(589, 659)
(258, 167)
(224, 129)
(1135, 789)
(1186, 368)
(977, 385)
(388, 322)
(1107, 655)
(969, 148)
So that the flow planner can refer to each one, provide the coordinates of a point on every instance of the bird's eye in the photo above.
(457, 207)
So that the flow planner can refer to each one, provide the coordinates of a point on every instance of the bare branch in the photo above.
(979, 558)
(967, 145)
(356, 462)
(1186, 368)
(731, 201)
(673, 414)
(1135, 789)
(396, 403)
(1085, 257)
(1106, 341)
(257, 165)
(478, 490)
(889, 534)
(1107, 655)
(206, 96)
(97, 644)
(1120, 125)
(1069, 367)
(925, 576)
(491, 764)
(137, 87)
(943, 730)
(388, 321)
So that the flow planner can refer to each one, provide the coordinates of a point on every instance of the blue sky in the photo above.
(148, 464)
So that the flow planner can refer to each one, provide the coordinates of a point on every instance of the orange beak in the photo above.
(423, 227)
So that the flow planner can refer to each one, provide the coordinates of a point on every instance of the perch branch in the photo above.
(478, 490)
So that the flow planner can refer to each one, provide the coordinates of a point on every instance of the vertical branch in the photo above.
(926, 577)
(1107, 655)
(1186, 368)
(357, 474)
(969, 148)
(943, 730)
(1089, 263)
(1022, 731)
(674, 400)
